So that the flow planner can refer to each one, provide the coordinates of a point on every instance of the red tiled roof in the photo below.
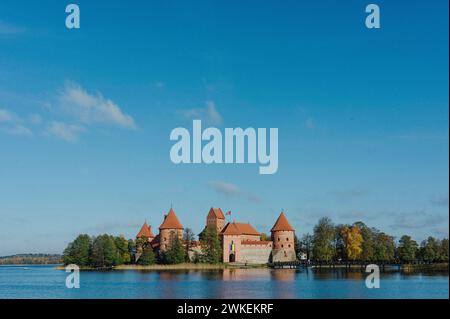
(239, 229)
(146, 231)
(256, 242)
(282, 224)
(171, 221)
(217, 212)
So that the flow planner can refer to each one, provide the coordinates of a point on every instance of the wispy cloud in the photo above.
(440, 200)
(93, 108)
(64, 131)
(12, 124)
(232, 190)
(209, 114)
(10, 29)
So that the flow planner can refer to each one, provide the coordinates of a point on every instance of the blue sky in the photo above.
(362, 115)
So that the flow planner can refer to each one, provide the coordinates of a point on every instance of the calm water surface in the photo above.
(47, 282)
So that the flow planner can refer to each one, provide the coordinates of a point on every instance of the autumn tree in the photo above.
(352, 241)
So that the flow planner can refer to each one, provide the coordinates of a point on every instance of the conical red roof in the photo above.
(282, 224)
(171, 221)
(146, 231)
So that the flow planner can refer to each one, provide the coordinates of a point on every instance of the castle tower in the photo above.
(146, 231)
(170, 227)
(215, 219)
(283, 237)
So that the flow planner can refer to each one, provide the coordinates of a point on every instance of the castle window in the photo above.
(282, 246)
(289, 245)
(165, 238)
(278, 238)
(287, 239)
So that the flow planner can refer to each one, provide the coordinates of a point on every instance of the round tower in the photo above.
(283, 237)
(170, 227)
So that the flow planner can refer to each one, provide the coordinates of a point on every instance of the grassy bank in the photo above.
(438, 267)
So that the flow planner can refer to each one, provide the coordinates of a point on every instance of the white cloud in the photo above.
(90, 109)
(9, 29)
(12, 124)
(64, 131)
(208, 114)
(233, 190)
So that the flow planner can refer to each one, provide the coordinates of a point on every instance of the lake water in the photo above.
(47, 282)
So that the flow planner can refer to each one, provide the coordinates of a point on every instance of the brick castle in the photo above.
(240, 242)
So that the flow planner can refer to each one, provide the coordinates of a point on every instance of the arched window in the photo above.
(287, 238)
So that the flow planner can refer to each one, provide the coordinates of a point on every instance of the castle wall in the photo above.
(255, 254)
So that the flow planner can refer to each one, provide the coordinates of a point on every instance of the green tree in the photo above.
(77, 252)
(430, 249)
(368, 243)
(407, 249)
(339, 251)
(265, 237)
(324, 234)
(123, 253)
(132, 249)
(443, 250)
(147, 258)
(104, 251)
(211, 248)
(188, 238)
(384, 247)
(175, 254)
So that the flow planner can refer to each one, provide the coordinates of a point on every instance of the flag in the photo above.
(228, 213)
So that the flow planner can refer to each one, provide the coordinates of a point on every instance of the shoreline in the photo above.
(440, 267)
(183, 266)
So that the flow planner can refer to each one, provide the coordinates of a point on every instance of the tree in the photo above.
(305, 245)
(104, 251)
(265, 237)
(352, 242)
(407, 249)
(175, 254)
(322, 240)
(123, 253)
(339, 252)
(132, 249)
(430, 249)
(368, 243)
(147, 258)
(77, 252)
(443, 250)
(384, 247)
(211, 248)
(188, 238)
